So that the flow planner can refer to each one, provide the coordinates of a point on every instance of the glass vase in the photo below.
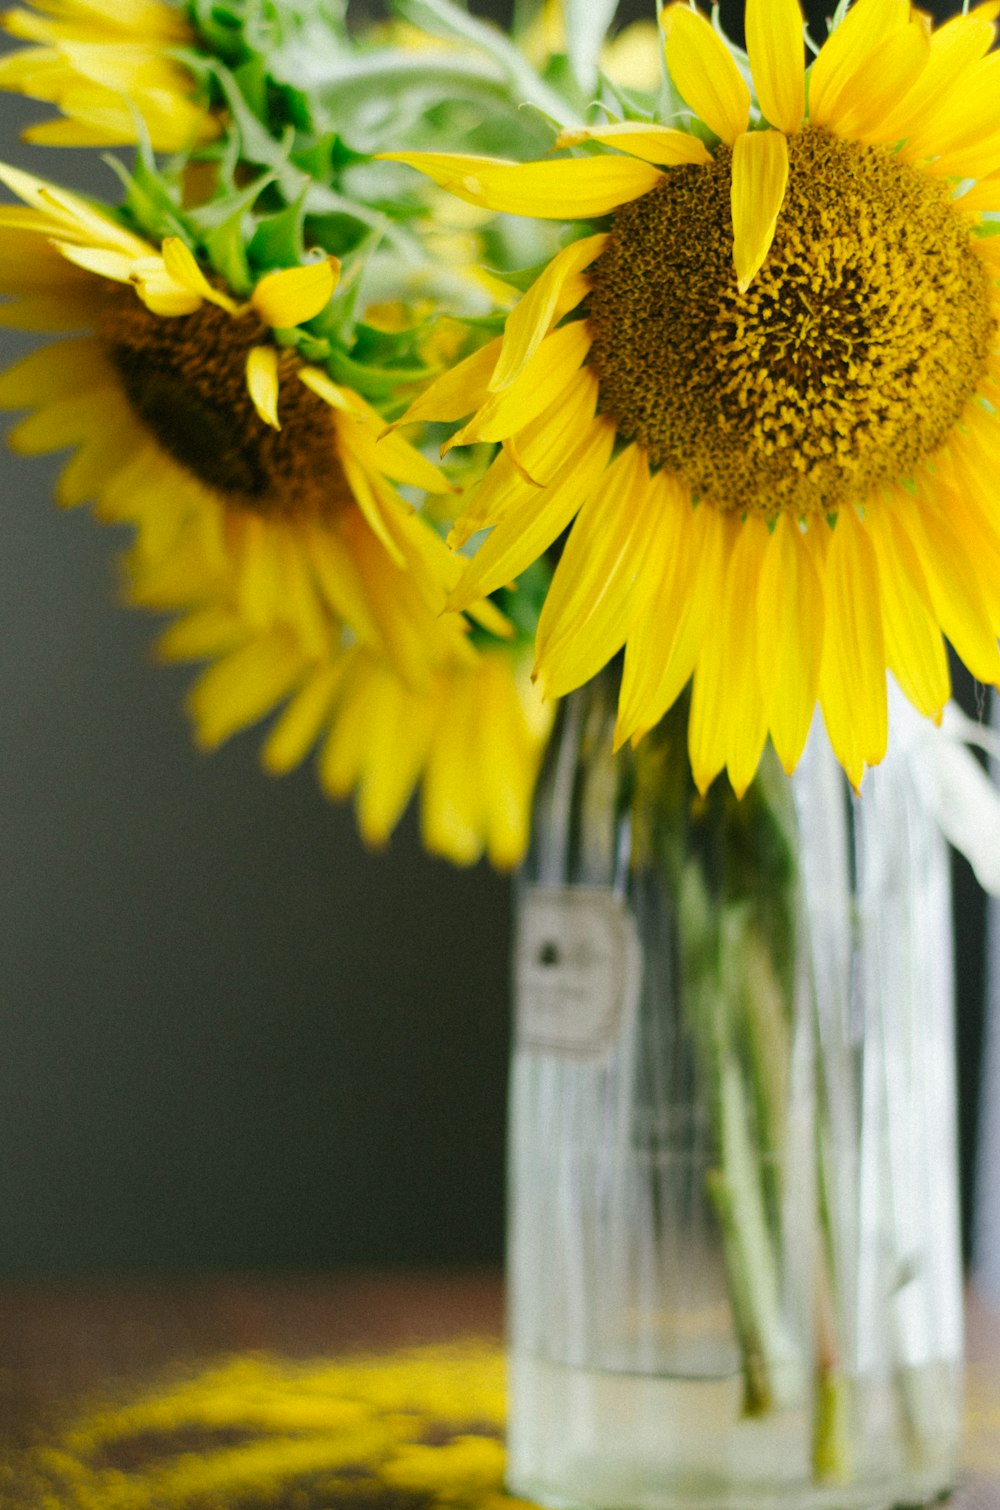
(733, 1263)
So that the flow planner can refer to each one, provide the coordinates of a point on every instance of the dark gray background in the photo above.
(229, 1036)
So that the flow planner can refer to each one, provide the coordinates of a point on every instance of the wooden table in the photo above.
(61, 1342)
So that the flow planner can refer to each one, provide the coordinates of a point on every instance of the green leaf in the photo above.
(256, 143)
(219, 226)
(252, 81)
(218, 27)
(378, 383)
(313, 350)
(321, 202)
(212, 216)
(149, 202)
(494, 325)
(326, 156)
(628, 104)
(277, 241)
(442, 18)
(227, 254)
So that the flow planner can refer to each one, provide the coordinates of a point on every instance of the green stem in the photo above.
(832, 1456)
(737, 1192)
(831, 1447)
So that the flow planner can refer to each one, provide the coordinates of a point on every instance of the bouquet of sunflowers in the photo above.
(733, 350)
(685, 366)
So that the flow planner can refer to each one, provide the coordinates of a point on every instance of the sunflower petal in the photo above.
(564, 189)
(705, 72)
(103, 261)
(510, 747)
(963, 510)
(69, 215)
(302, 721)
(892, 71)
(339, 579)
(964, 120)
(914, 646)
(339, 399)
(201, 635)
(405, 629)
(760, 176)
(295, 294)
(852, 682)
(539, 383)
(450, 812)
(488, 616)
(849, 45)
(303, 607)
(922, 110)
(371, 502)
(747, 719)
(790, 638)
(528, 530)
(547, 446)
(393, 457)
(96, 463)
(160, 291)
(456, 392)
(394, 764)
(259, 585)
(342, 757)
(728, 725)
(262, 383)
(953, 582)
(707, 728)
(65, 420)
(686, 566)
(663, 145)
(51, 371)
(243, 687)
(591, 602)
(775, 45)
(181, 266)
(532, 316)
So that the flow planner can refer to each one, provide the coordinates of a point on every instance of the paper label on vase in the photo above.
(576, 969)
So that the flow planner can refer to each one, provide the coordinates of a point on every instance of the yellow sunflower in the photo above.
(766, 392)
(471, 737)
(247, 473)
(105, 62)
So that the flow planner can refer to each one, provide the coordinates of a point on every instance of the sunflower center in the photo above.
(185, 378)
(843, 366)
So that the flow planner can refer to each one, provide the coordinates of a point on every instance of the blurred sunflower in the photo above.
(766, 392)
(471, 737)
(629, 58)
(247, 472)
(103, 63)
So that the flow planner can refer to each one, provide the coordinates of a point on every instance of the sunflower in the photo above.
(106, 63)
(471, 737)
(765, 391)
(246, 472)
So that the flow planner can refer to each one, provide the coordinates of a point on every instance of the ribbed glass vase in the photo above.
(734, 1274)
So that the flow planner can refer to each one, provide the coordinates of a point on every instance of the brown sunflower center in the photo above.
(845, 363)
(185, 378)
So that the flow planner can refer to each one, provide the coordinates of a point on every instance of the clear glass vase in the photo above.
(733, 1263)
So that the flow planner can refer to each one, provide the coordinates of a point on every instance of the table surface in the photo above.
(62, 1343)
